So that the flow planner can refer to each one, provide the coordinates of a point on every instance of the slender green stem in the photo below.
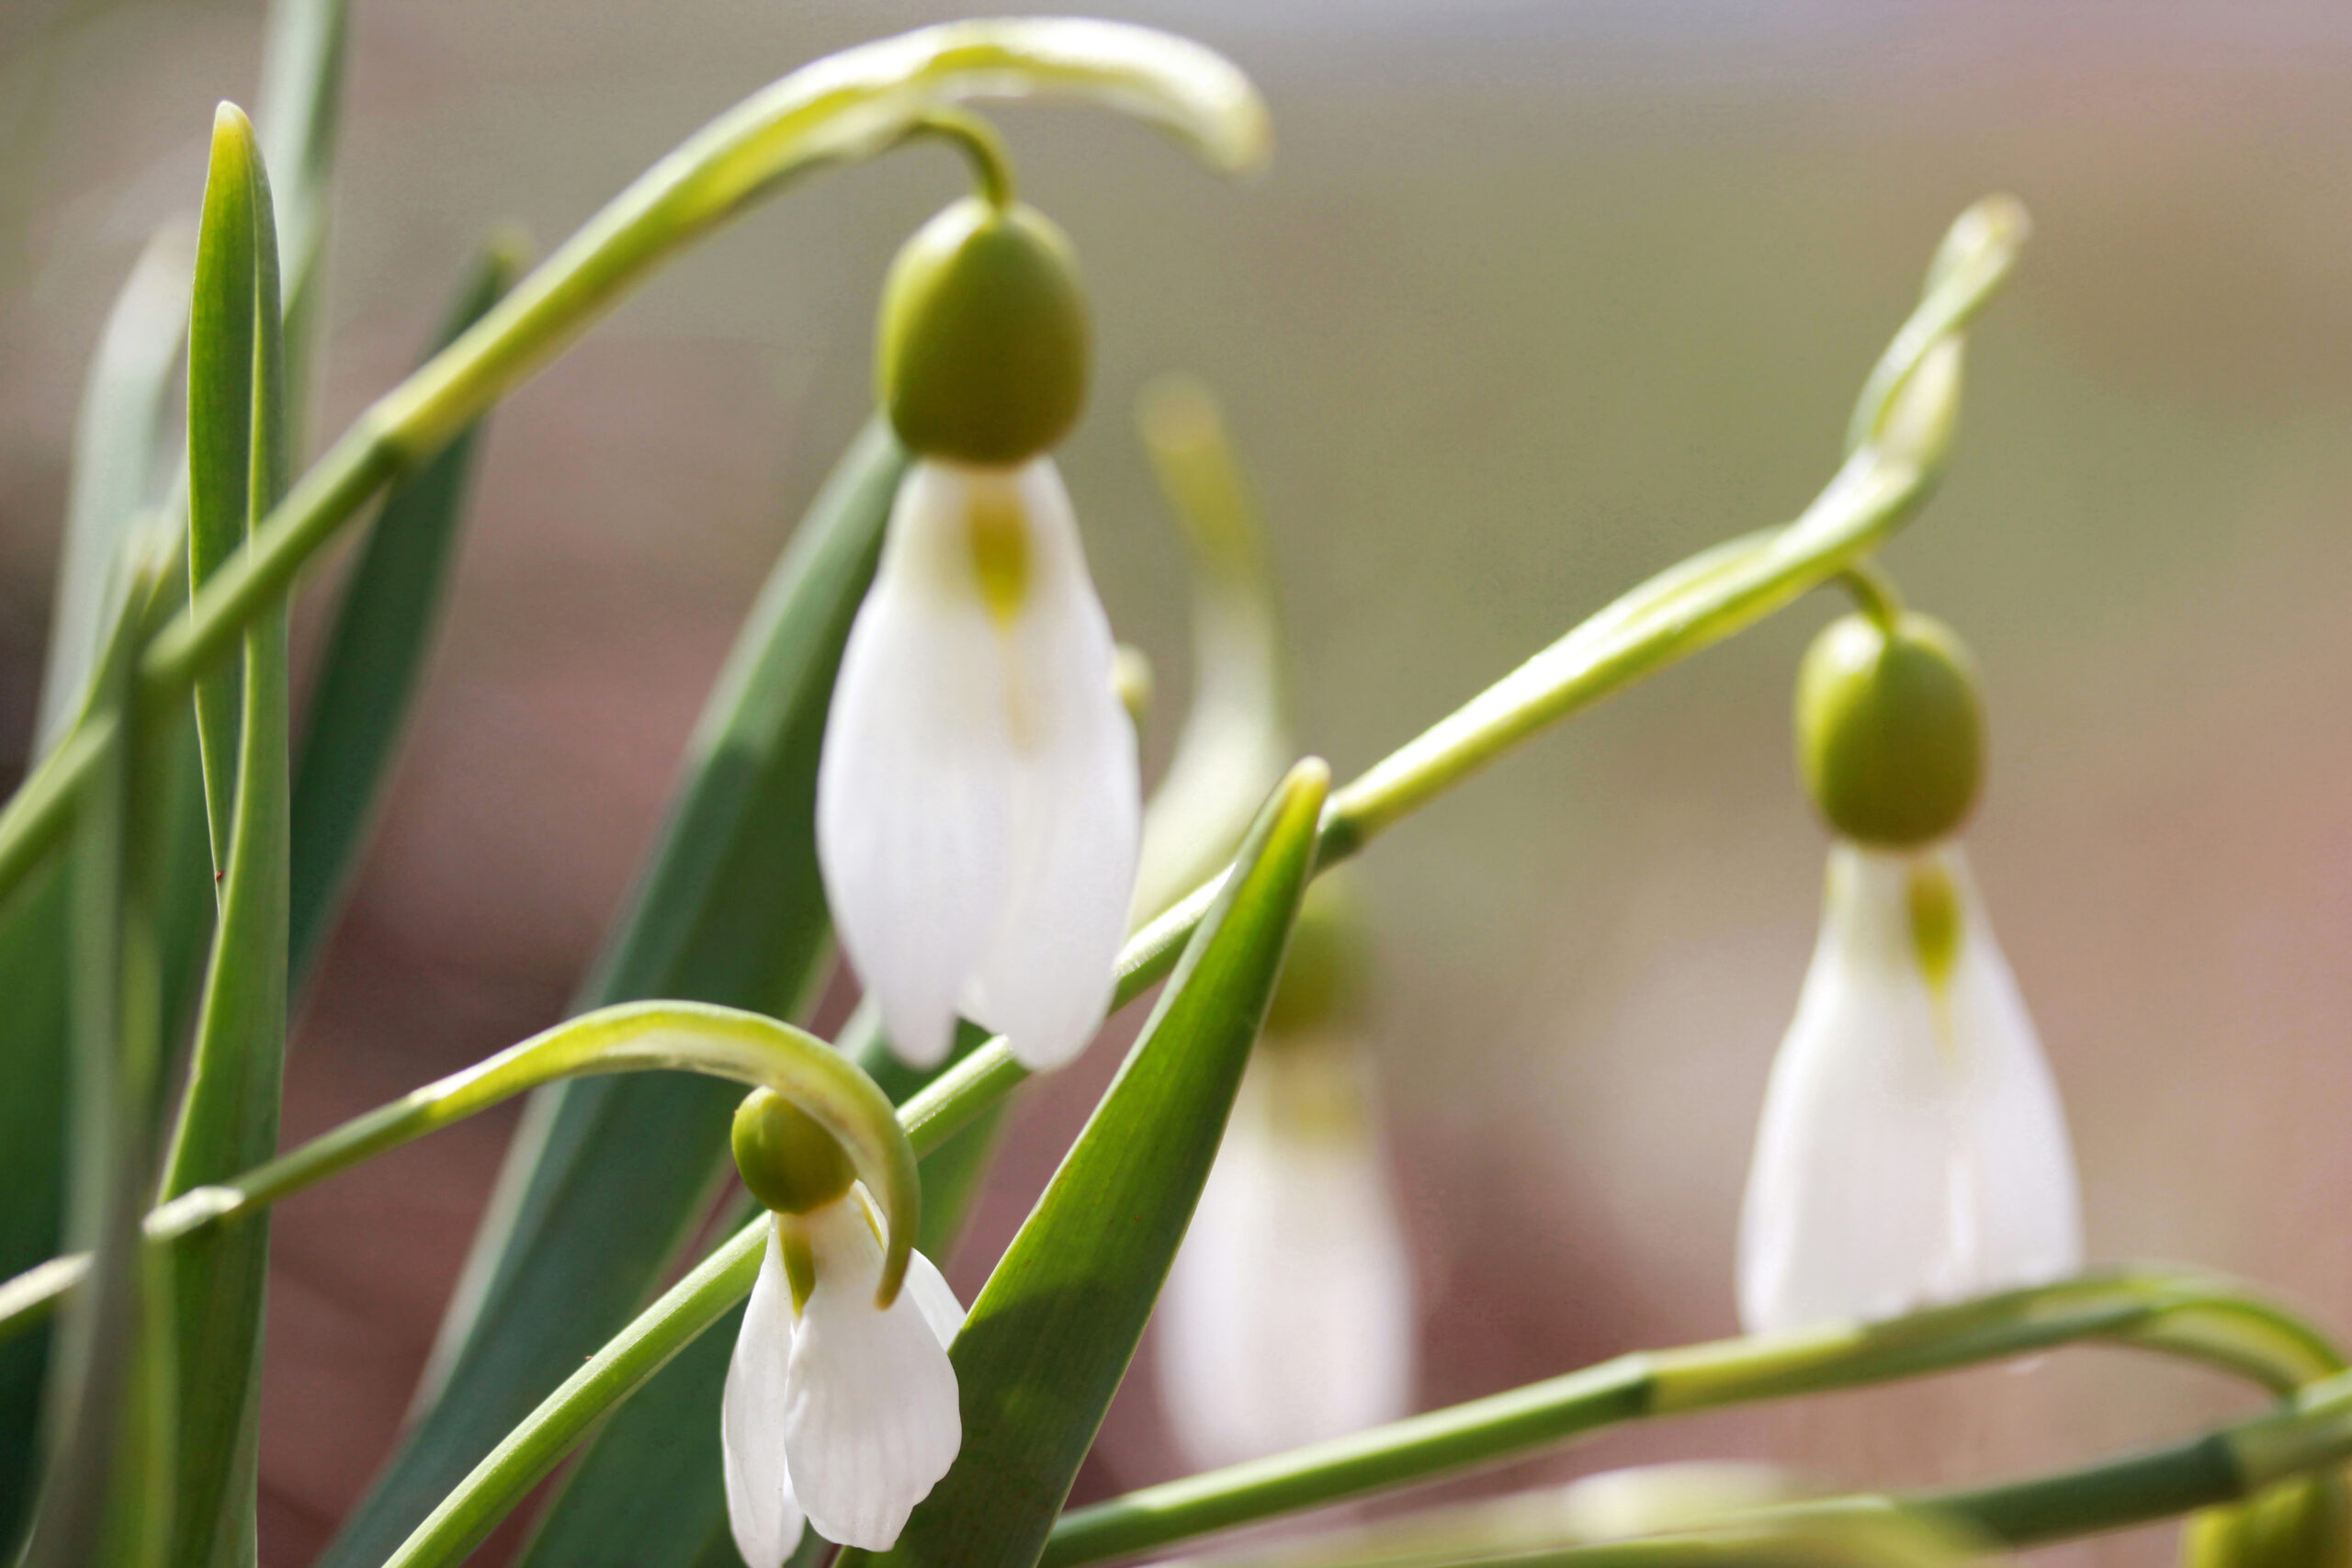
(2232, 1330)
(2310, 1431)
(846, 107)
(1874, 592)
(978, 141)
(1976, 258)
(1675, 614)
(1682, 610)
(534, 1448)
(1862, 1531)
(747, 1047)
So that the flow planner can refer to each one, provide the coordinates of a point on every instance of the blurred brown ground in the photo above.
(1537, 299)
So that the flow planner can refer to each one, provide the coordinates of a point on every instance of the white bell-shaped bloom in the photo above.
(837, 1411)
(1288, 1315)
(977, 809)
(1913, 1150)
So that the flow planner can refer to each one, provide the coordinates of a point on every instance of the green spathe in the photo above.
(981, 355)
(1890, 732)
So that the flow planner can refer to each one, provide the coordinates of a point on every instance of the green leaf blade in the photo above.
(228, 1119)
(32, 1154)
(219, 425)
(117, 437)
(375, 653)
(1049, 1338)
(730, 909)
(301, 115)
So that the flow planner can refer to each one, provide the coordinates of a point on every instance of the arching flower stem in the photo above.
(2198, 1317)
(846, 107)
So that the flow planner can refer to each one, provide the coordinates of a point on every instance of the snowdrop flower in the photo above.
(838, 1413)
(1288, 1317)
(1913, 1149)
(978, 806)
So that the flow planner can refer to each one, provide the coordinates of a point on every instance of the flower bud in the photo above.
(787, 1159)
(2303, 1523)
(1890, 733)
(982, 351)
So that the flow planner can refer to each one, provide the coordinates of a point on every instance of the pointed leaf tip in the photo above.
(230, 122)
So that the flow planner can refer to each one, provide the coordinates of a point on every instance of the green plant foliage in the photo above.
(300, 116)
(116, 442)
(375, 654)
(730, 909)
(227, 1120)
(32, 1154)
(104, 1494)
(1050, 1337)
(647, 1492)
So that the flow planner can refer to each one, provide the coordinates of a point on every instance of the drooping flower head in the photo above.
(1288, 1317)
(838, 1412)
(977, 803)
(1913, 1149)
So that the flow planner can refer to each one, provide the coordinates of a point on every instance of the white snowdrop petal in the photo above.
(916, 785)
(1046, 978)
(1288, 1316)
(1912, 1149)
(761, 1509)
(2016, 1126)
(871, 1420)
(935, 1298)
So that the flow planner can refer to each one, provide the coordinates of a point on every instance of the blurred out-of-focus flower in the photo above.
(1288, 1316)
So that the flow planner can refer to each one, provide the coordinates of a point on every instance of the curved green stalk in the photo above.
(1689, 606)
(1681, 611)
(843, 107)
(715, 1285)
(2198, 1317)
(1543, 1531)
(2311, 1431)
(748, 1047)
(2234, 1463)
(846, 107)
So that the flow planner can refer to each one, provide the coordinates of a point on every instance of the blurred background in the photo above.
(1537, 298)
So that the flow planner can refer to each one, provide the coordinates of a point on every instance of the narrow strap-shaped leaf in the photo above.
(32, 1153)
(1051, 1335)
(229, 1116)
(376, 652)
(221, 348)
(116, 439)
(729, 909)
(104, 1496)
(300, 115)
